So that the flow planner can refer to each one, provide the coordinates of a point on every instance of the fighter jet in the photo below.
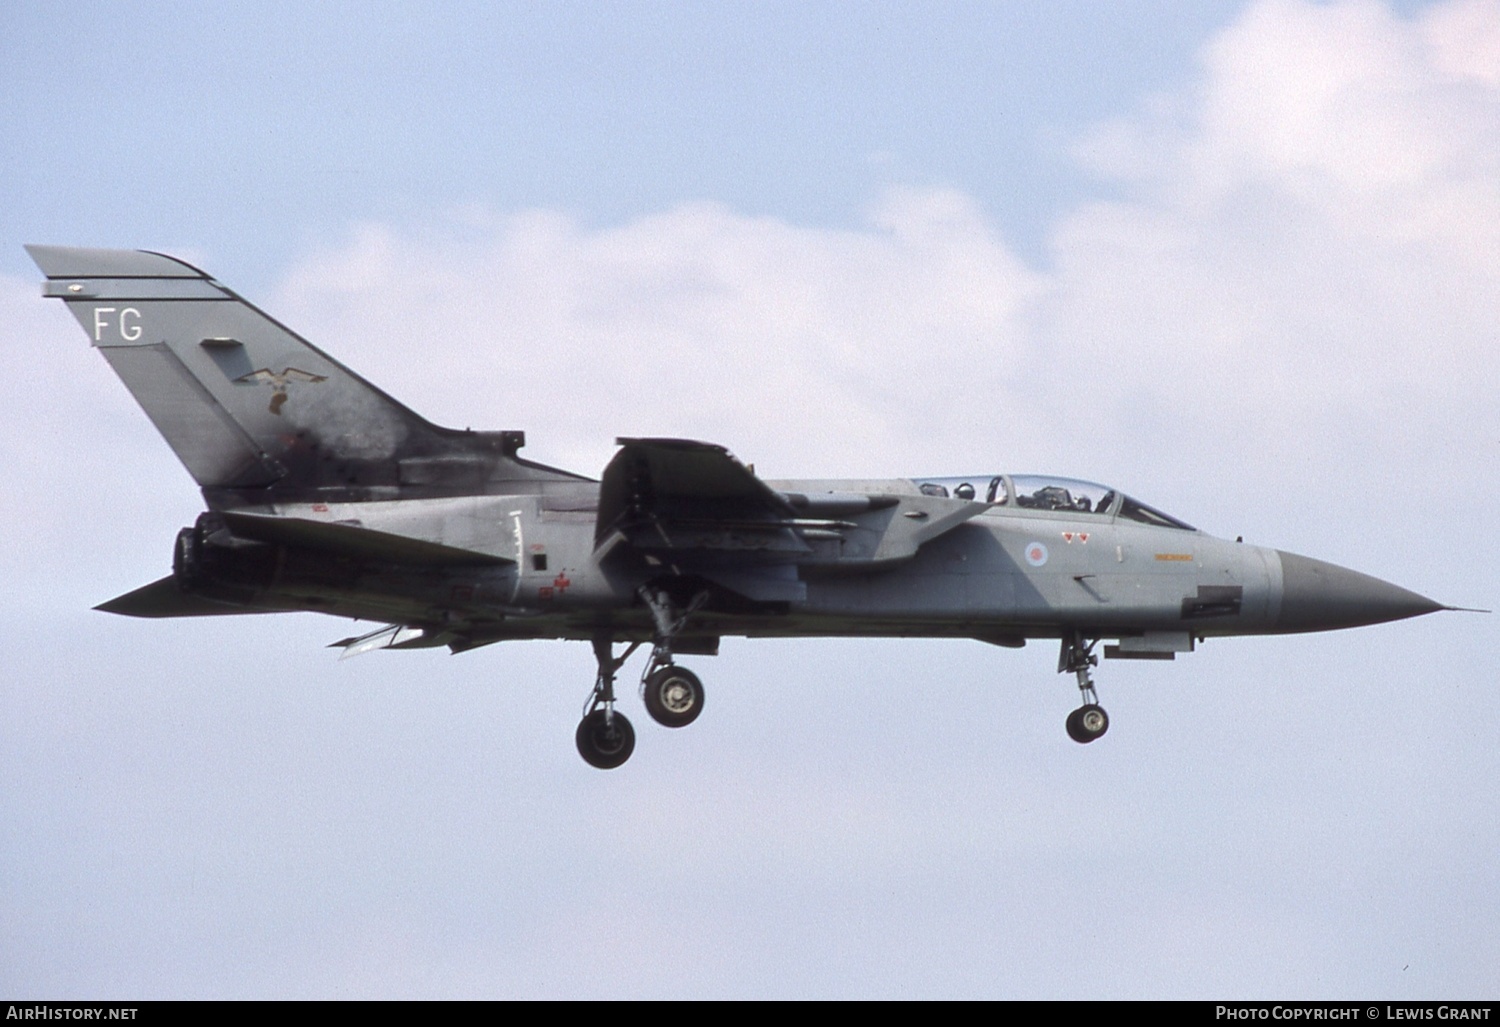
(323, 493)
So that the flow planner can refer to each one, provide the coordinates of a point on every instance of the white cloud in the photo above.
(1307, 243)
(1305, 250)
(1464, 38)
(696, 321)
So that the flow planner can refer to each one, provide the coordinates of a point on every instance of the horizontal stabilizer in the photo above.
(164, 598)
(352, 540)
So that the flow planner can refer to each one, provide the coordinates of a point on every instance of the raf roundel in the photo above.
(1036, 554)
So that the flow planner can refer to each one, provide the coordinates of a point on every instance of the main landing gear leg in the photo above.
(605, 738)
(1089, 721)
(673, 694)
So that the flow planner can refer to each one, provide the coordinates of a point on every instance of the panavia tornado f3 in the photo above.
(323, 493)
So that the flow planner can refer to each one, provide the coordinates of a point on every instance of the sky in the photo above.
(1238, 259)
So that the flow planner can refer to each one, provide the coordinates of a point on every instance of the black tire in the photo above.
(604, 744)
(1087, 723)
(674, 696)
(1075, 732)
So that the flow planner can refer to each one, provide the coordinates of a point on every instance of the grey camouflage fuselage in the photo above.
(325, 494)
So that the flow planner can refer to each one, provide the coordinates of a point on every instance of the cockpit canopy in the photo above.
(1038, 492)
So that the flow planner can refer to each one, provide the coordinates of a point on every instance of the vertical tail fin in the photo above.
(245, 402)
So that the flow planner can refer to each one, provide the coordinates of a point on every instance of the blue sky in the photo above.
(1235, 258)
(606, 110)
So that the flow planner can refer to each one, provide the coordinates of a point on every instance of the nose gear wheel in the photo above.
(1089, 721)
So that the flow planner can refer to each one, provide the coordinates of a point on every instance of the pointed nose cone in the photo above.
(1318, 596)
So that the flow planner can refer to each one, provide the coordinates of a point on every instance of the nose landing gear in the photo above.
(1089, 721)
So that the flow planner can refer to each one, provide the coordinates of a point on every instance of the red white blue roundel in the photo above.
(1036, 554)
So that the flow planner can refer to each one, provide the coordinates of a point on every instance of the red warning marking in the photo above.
(561, 582)
(1068, 535)
(320, 508)
(1083, 536)
(545, 592)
